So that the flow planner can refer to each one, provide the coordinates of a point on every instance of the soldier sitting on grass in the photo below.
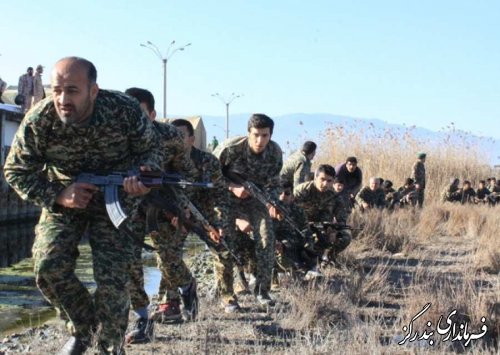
(407, 193)
(467, 193)
(482, 193)
(451, 192)
(371, 196)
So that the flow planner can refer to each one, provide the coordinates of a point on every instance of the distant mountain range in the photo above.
(292, 130)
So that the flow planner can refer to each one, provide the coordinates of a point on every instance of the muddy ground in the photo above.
(369, 311)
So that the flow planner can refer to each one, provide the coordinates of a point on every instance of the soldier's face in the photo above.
(286, 196)
(374, 184)
(338, 187)
(323, 182)
(258, 138)
(350, 166)
(188, 140)
(72, 93)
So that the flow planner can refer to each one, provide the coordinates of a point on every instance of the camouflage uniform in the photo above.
(263, 170)
(45, 157)
(167, 240)
(213, 204)
(3, 86)
(296, 168)
(292, 242)
(372, 198)
(324, 207)
(451, 194)
(407, 196)
(391, 197)
(26, 89)
(38, 91)
(419, 178)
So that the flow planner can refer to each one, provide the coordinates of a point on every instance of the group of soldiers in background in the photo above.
(487, 192)
(30, 88)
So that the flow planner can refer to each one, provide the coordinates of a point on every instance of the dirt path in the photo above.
(367, 299)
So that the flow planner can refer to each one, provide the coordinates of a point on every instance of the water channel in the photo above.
(21, 304)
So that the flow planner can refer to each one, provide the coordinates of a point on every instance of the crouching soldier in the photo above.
(322, 204)
(291, 255)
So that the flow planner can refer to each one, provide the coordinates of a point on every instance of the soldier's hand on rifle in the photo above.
(243, 225)
(214, 234)
(76, 195)
(239, 191)
(133, 186)
(273, 212)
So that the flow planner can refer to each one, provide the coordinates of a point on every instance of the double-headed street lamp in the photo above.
(227, 102)
(168, 54)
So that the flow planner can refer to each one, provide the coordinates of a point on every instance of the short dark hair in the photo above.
(286, 184)
(29, 68)
(466, 182)
(309, 147)
(409, 181)
(387, 184)
(142, 95)
(482, 182)
(325, 169)
(180, 122)
(87, 64)
(259, 120)
(351, 160)
(338, 180)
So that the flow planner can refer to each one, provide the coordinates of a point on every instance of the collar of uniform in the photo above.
(263, 154)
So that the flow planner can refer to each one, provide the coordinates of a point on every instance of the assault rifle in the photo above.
(111, 180)
(321, 230)
(201, 227)
(263, 198)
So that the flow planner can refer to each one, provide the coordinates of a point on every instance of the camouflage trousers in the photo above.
(169, 242)
(335, 245)
(263, 237)
(55, 251)
(224, 279)
(138, 296)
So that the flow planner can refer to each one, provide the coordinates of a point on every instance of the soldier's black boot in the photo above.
(142, 332)
(74, 346)
(189, 298)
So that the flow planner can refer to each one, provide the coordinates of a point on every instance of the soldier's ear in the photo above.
(93, 91)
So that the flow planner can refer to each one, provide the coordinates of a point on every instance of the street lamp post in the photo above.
(168, 54)
(227, 102)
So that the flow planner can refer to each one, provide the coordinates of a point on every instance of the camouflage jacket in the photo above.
(372, 198)
(176, 157)
(390, 196)
(25, 86)
(419, 173)
(283, 230)
(494, 188)
(320, 206)
(451, 194)
(296, 168)
(407, 195)
(262, 169)
(213, 203)
(47, 155)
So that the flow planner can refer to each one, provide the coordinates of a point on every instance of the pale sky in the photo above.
(426, 63)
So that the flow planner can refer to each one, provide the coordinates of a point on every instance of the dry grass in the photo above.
(390, 154)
